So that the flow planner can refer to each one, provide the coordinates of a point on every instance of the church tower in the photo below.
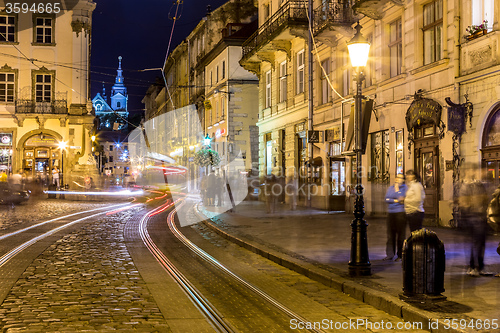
(119, 91)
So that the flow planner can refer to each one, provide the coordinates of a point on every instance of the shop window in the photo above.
(399, 153)
(380, 157)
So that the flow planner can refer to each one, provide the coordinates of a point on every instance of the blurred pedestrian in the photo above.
(219, 190)
(396, 219)
(16, 181)
(3, 177)
(211, 187)
(473, 203)
(414, 201)
(291, 191)
(270, 193)
(203, 190)
(55, 177)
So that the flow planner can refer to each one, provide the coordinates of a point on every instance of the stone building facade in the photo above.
(45, 109)
(425, 68)
(204, 72)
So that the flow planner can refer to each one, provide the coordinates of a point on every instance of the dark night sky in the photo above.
(138, 31)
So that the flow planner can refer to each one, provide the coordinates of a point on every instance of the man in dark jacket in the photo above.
(396, 219)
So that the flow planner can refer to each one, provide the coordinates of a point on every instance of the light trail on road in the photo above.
(12, 253)
(208, 310)
(10, 234)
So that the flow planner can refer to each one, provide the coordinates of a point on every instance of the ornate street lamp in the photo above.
(207, 141)
(359, 264)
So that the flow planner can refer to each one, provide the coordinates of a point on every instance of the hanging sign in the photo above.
(423, 111)
(456, 119)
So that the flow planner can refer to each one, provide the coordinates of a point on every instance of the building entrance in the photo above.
(427, 166)
(40, 154)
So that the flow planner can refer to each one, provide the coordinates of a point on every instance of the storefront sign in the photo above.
(313, 136)
(423, 111)
(5, 139)
(333, 134)
(41, 140)
(456, 119)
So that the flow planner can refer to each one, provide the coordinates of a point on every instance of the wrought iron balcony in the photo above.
(333, 13)
(290, 14)
(24, 106)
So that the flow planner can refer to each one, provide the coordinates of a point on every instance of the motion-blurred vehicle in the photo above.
(10, 195)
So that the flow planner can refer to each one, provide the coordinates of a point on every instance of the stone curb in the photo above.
(378, 299)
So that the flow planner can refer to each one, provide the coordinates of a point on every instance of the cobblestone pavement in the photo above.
(38, 209)
(86, 281)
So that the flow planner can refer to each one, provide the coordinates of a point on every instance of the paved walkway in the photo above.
(317, 244)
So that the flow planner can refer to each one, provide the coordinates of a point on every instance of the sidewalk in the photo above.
(317, 244)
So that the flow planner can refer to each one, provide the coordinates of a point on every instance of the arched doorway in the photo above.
(490, 149)
(40, 154)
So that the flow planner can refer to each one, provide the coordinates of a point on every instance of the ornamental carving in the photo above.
(78, 26)
(480, 56)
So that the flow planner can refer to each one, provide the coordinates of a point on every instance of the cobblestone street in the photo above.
(37, 209)
(85, 281)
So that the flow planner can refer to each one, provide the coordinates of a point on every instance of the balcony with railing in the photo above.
(289, 21)
(374, 9)
(332, 17)
(59, 105)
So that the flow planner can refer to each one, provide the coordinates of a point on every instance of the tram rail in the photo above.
(217, 320)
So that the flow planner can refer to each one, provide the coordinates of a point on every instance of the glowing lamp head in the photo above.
(359, 48)
(207, 140)
(92, 138)
(62, 145)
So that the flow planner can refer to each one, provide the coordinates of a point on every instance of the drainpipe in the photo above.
(310, 117)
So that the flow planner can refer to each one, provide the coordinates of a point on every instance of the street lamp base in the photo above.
(357, 270)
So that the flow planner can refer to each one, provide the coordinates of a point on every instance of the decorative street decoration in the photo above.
(207, 157)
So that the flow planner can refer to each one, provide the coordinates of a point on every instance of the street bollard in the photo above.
(423, 267)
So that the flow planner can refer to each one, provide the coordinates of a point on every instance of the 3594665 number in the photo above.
(40, 8)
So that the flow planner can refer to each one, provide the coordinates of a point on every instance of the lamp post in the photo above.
(359, 264)
(62, 146)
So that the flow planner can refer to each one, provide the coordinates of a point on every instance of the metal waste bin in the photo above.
(423, 267)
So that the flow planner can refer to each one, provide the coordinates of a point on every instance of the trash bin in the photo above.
(423, 267)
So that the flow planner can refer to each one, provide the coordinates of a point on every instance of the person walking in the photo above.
(414, 201)
(55, 177)
(211, 187)
(473, 203)
(396, 219)
(3, 177)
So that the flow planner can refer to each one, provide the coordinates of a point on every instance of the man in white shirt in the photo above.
(414, 201)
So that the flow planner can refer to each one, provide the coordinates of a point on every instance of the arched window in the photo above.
(491, 146)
